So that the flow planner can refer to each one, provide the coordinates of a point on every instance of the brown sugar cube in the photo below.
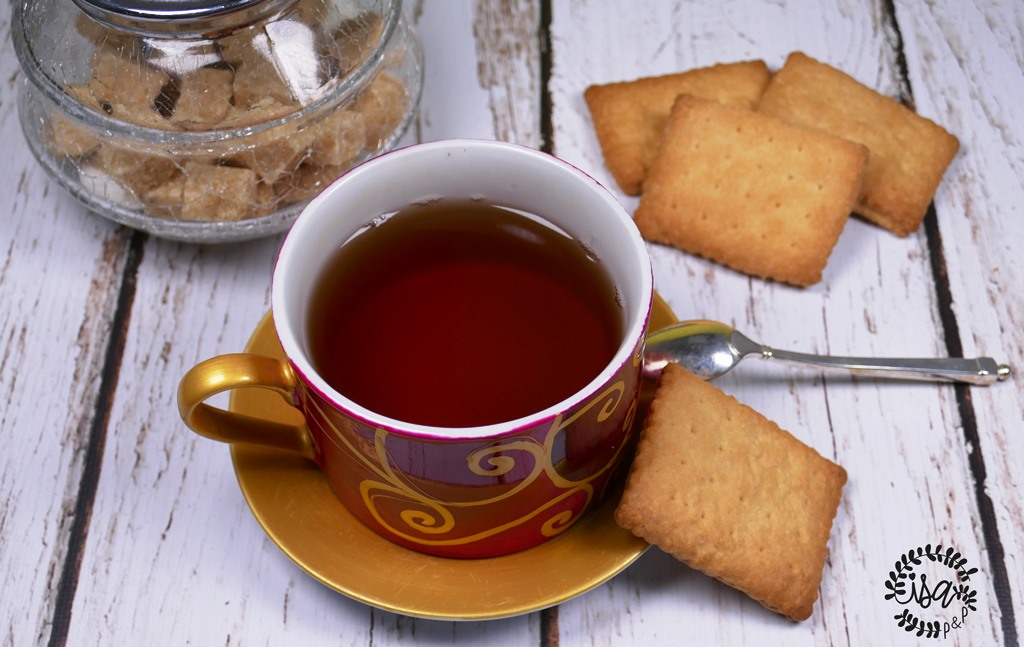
(66, 137)
(354, 38)
(307, 181)
(751, 192)
(630, 116)
(264, 110)
(218, 193)
(256, 77)
(275, 153)
(338, 139)
(127, 87)
(266, 200)
(137, 171)
(204, 98)
(725, 490)
(165, 200)
(206, 192)
(314, 12)
(382, 105)
(141, 115)
(345, 39)
(909, 153)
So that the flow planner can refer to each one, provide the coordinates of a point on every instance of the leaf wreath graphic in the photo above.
(950, 558)
(911, 623)
(904, 569)
(968, 596)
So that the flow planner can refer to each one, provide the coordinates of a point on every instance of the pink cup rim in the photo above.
(290, 259)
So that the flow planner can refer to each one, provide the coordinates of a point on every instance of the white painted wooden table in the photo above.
(120, 527)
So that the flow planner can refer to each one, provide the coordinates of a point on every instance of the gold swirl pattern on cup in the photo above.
(428, 518)
(562, 520)
(502, 465)
(611, 397)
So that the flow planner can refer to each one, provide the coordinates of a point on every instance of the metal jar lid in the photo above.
(179, 16)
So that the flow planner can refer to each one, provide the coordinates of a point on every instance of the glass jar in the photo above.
(211, 120)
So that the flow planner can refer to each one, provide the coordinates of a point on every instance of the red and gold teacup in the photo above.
(457, 492)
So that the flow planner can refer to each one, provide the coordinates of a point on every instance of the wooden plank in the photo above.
(908, 466)
(482, 70)
(174, 555)
(151, 534)
(60, 272)
(981, 94)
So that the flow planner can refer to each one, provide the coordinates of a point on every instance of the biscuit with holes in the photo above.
(725, 490)
(630, 116)
(909, 153)
(751, 192)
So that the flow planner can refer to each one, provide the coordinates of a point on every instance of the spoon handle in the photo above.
(981, 371)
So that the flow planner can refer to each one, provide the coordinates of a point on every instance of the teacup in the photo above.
(452, 490)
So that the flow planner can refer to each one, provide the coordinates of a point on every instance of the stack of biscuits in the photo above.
(760, 171)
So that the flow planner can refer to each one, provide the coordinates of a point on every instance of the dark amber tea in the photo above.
(462, 313)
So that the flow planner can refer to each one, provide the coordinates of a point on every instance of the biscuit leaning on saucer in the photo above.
(909, 153)
(725, 490)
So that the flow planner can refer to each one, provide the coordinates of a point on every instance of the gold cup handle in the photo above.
(233, 371)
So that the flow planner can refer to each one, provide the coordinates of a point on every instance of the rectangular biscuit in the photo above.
(909, 153)
(629, 116)
(751, 192)
(725, 490)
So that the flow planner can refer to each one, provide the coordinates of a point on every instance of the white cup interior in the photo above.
(504, 174)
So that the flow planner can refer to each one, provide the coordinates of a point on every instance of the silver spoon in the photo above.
(711, 349)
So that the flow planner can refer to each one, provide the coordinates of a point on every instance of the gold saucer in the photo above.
(291, 499)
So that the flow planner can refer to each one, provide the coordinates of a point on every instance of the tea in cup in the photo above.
(464, 324)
